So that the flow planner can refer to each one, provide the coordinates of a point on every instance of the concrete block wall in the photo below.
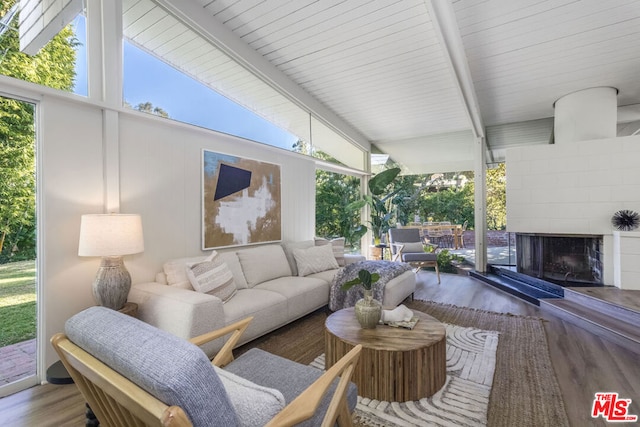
(573, 189)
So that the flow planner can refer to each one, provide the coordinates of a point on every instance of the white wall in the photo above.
(70, 184)
(159, 179)
(573, 188)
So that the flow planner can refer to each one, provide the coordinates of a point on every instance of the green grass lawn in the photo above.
(17, 302)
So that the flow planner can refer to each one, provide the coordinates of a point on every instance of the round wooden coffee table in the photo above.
(396, 364)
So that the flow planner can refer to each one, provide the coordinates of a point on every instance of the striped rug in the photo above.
(462, 401)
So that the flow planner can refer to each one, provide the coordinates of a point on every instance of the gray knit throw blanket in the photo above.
(339, 299)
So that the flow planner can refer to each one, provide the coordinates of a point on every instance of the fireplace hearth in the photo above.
(566, 260)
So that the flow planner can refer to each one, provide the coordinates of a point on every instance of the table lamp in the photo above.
(111, 236)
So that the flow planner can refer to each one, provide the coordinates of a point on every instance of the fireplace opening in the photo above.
(566, 260)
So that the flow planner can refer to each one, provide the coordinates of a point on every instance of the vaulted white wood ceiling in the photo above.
(379, 69)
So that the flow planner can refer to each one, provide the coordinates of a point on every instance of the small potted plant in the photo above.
(367, 309)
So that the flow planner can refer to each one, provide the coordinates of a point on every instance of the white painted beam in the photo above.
(445, 25)
(480, 205)
(41, 20)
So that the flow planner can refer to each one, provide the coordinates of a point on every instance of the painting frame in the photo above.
(241, 201)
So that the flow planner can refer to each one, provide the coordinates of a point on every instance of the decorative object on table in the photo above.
(625, 220)
(240, 201)
(367, 309)
(399, 317)
(111, 236)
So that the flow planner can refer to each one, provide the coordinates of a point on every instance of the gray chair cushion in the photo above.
(417, 257)
(403, 235)
(289, 377)
(170, 368)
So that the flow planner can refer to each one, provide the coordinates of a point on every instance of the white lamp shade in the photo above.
(110, 235)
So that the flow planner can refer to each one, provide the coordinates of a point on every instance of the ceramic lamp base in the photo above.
(112, 283)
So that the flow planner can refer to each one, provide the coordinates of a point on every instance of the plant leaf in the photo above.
(379, 183)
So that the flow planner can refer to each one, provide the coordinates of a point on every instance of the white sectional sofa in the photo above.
(275, 283)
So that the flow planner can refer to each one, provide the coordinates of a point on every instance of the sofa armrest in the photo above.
(181, 312)
(351, 258)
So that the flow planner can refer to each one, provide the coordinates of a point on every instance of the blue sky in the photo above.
(147, 79)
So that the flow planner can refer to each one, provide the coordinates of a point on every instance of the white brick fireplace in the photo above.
(573, 187)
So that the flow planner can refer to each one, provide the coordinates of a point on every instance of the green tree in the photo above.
(497, 198)
(53, 66)
(147, 107)
(334, 192)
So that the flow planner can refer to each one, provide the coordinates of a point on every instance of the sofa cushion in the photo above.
(289, 247)
(269, 309)
(338, 248)
(263, 263)
(291, 378)
(326, 275)
(170, 368)
(231, 258)
(212, 276)
(303, 294)
(314, 259)
(255, 405)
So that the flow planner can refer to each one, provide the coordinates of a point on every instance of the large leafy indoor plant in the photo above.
(379, 200)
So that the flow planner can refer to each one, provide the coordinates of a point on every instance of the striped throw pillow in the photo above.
(212, 276)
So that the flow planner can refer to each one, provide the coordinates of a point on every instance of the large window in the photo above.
(181, 72)
(60, 64)
(153, 86)
(334, 193)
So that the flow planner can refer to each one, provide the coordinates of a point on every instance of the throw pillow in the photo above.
(338, 248)
(255, 405)
(289, 247)
(176, 269)
(212, 276)
(411, 247)
(315, 260)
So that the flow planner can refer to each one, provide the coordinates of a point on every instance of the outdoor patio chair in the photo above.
(407, 246)
(132, 373)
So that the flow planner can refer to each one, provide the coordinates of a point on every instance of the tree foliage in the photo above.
(147, 107)
(497, 198)
(334, 193)
(53, 66)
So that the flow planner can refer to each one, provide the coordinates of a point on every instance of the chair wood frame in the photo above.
(117, 401)
(416, 264)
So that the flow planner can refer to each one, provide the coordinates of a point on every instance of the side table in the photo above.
(130, 309)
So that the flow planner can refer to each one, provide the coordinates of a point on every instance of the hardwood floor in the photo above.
(584, 363)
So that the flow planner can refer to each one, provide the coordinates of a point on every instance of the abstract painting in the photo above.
(240, 201)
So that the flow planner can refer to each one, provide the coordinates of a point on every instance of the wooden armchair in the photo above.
(407, 246)
(133, 374)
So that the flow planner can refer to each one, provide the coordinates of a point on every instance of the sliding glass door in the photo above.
(18, 284)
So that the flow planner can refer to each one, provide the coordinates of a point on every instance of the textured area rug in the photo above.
(525, 391)
(462, 401)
